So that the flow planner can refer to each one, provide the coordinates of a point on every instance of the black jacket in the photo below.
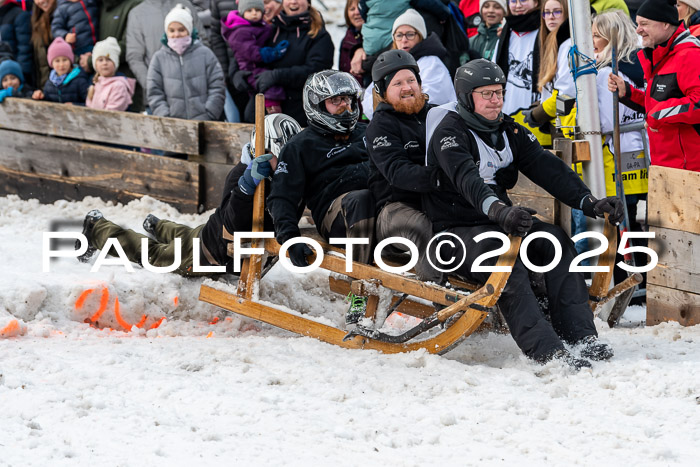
(74, 88)
(461, 202)
(235, 213)
(220, 10)
(313, 170)
(16, 30)
(396, 145)
(305, 55)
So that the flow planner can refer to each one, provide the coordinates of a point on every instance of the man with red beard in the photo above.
(396, 144)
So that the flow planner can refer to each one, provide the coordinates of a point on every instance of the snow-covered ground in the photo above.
(237, 392)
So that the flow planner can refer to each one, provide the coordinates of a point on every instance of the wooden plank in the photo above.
(222, 142)
(601, 280)
(664, 304)
(679, 260)
(103, 126)
(212, 184)
(673, 199)
(34, 166)
(525, 186)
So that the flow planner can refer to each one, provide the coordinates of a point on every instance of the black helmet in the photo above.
(474, 74)
(388, 63)
(279, 128)
(324, 85)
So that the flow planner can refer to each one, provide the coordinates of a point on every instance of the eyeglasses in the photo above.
(336, 100)
(409, 35)
(501, 93)
(522, 2)
(553, 13)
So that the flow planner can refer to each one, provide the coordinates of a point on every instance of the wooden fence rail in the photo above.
(55, 151)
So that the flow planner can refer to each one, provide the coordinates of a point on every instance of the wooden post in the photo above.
(252, 266)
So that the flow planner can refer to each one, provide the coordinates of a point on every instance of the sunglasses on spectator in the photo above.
(336, 100)
(409, 35)
(489, 94)
(553, 13)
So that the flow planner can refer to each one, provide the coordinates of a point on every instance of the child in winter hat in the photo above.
(67, 83)
(12, 80)
(178, 28)
(110, 91)
(245, 32)
(185, 79)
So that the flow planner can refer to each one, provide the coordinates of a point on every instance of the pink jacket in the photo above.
(112, 93)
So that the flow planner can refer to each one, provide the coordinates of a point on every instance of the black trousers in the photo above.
(571, 317)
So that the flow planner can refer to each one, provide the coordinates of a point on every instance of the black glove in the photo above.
(240, 81)
(593, 207)
(265, 80)
(514, 220)
(298, 253)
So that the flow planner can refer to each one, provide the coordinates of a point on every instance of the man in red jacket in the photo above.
(671, 63)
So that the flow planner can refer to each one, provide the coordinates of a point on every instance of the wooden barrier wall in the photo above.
(55, 151)
(673, 287)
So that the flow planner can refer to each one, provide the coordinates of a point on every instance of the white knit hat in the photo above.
(411, 18)
(693, 3)
(500, 2)
(180, 14)
(107, 48)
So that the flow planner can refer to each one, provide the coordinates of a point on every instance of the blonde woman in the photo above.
(689, 14)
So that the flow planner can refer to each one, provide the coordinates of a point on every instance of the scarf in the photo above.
(56, 79)
(524, 23)
(479, 124)
(180, 44)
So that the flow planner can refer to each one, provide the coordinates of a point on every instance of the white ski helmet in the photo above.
(324, 85)
(278, 129)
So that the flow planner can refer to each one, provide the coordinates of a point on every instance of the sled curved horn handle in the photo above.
(470, 299)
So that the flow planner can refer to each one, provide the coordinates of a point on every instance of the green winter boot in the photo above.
(357, 308)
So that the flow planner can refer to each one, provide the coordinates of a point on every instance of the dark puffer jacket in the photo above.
(73, 89)
(305, 55)
(220, 10)
(79, 17)
(16, 30)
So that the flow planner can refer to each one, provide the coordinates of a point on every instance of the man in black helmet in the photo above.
(325, 167)
(396, 145)
(481, 152)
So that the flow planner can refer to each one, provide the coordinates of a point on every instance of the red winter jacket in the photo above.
(671, 100)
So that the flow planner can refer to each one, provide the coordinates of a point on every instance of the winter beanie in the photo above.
(59, 48)
(663, 11)
(501, 3)
(692, 3)
(10, 67)
(108, 48)
(411, 18)
(245, 5)
(180, 14)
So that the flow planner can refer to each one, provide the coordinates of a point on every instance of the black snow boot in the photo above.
(90, 219)
(149, 224)
(593, 349)
(563, 355)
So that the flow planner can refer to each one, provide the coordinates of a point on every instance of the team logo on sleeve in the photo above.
(448, 142)
(380, 142)
(532, 137)
(281, 168)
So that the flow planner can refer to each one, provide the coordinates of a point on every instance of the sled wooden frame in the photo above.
(367, 278)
